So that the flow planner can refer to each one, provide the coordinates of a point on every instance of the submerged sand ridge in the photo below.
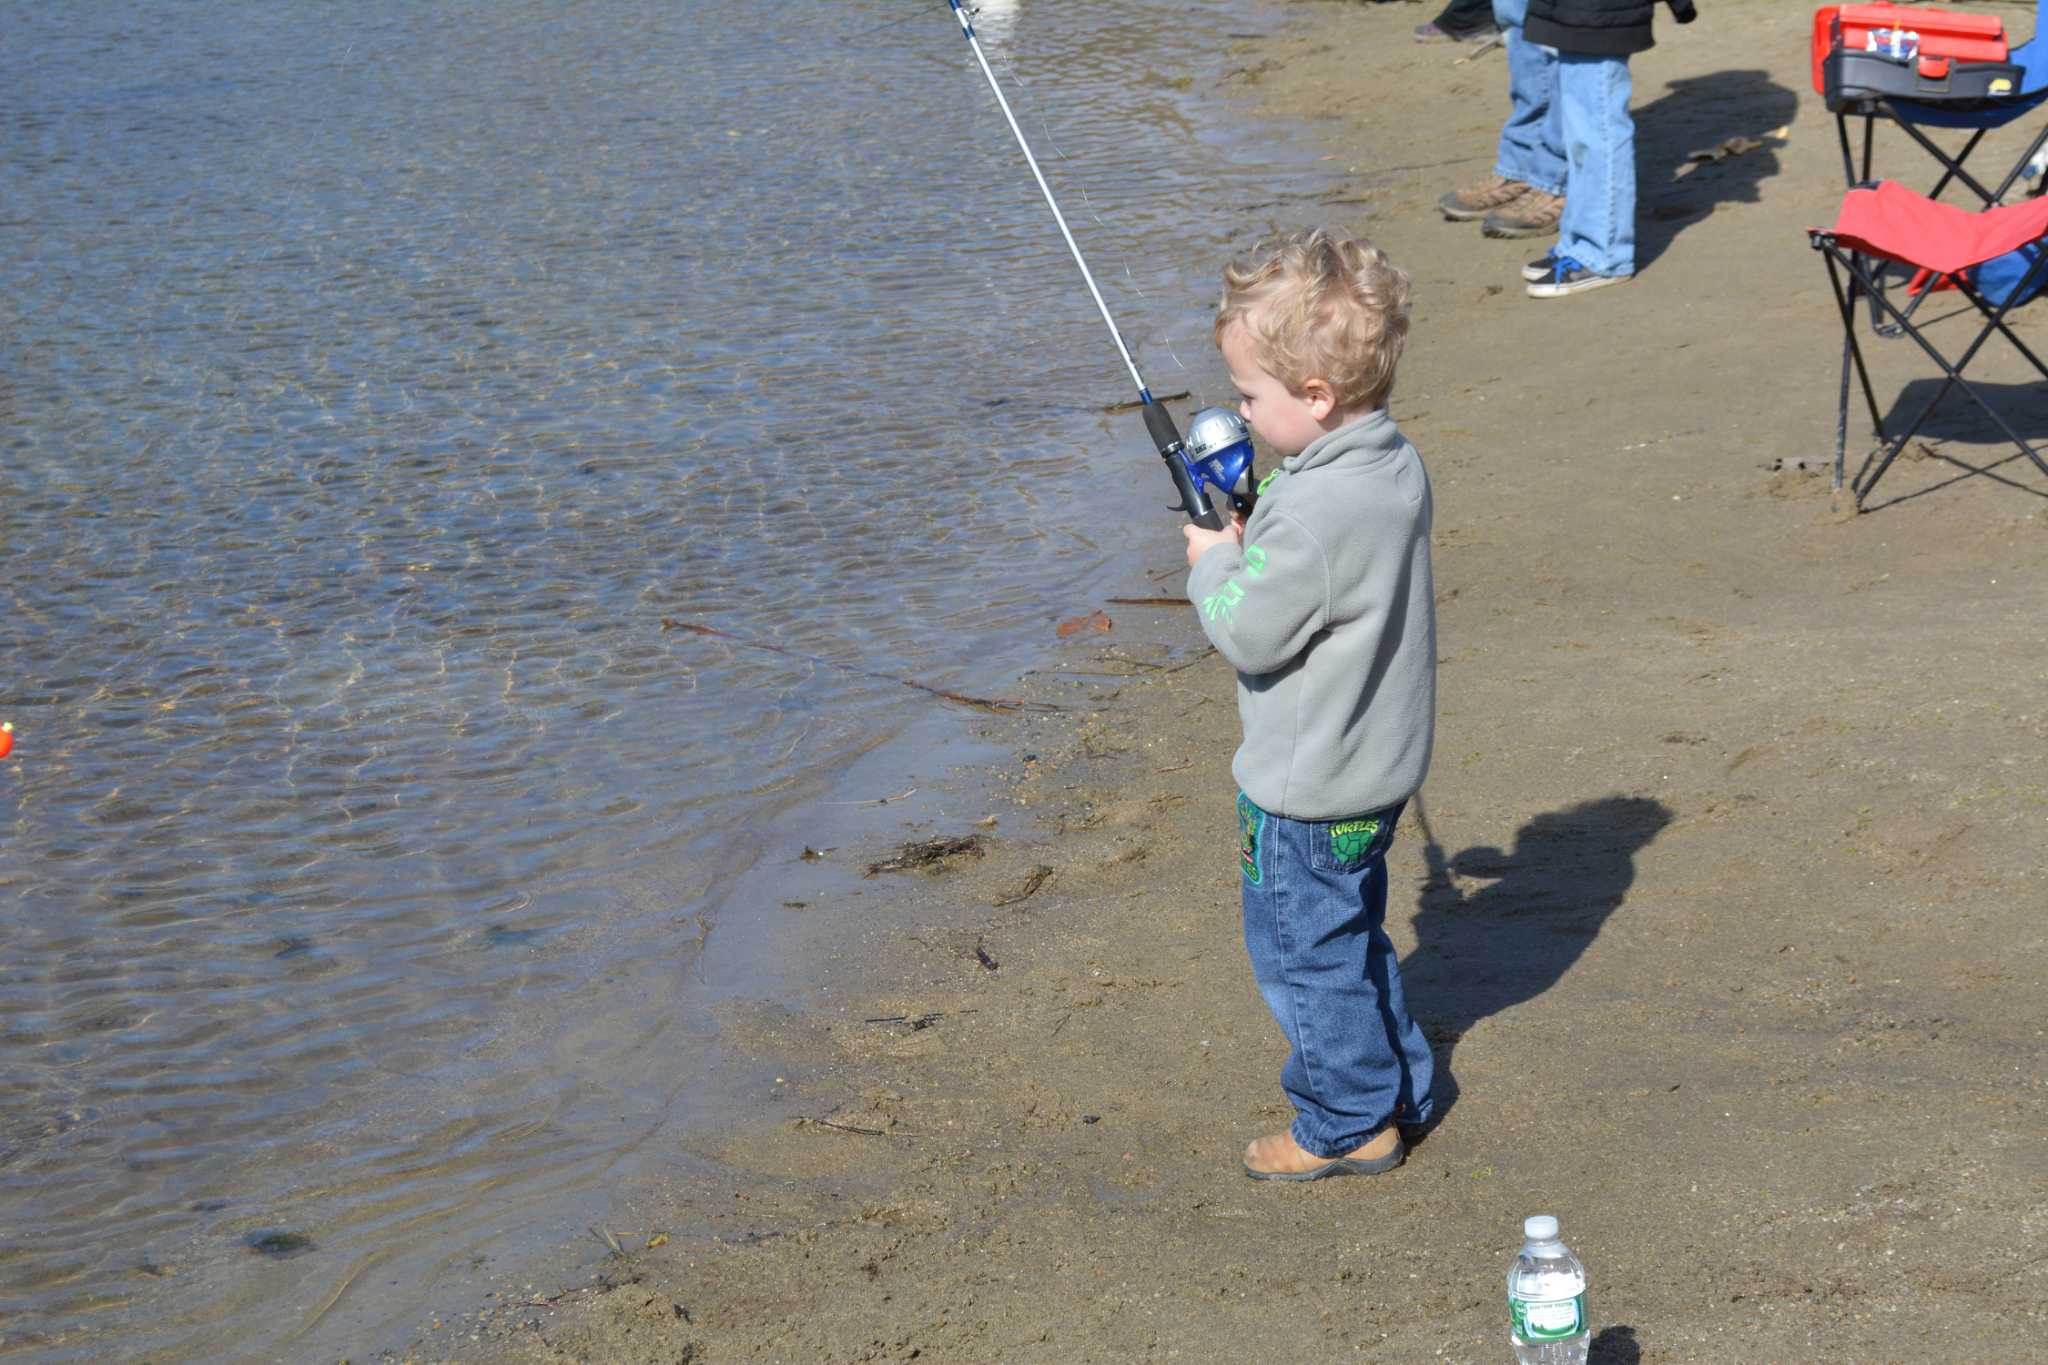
(1728, 934)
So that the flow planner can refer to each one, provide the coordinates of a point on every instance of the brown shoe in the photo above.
(1278, 1156)
(1476, 201)
(1534, 214)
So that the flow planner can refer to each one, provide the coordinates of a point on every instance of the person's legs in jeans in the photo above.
(1598, 229)
(1531, 148)
(1315, 903)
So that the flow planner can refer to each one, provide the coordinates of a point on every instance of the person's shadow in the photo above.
(1702, 114)
(1496, 929)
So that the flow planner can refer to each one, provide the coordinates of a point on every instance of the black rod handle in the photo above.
(1166, 438)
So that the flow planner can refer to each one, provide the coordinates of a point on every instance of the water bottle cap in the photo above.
(1541, 1228)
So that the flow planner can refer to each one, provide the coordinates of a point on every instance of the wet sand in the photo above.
(1726, 923)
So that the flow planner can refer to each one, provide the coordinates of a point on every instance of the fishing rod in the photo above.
(1218, 450)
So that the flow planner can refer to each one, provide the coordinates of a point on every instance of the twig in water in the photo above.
(604, 1234)
(1037, 877)
(916, 1021)
(847, 1128)
(1130, 403)
(1149, 602)
(877, 801)
(999, 705)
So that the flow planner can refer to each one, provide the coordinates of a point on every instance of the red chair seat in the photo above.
(1896, 224)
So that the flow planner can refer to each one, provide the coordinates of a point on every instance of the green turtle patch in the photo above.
(1350, 839)
(1251, 822)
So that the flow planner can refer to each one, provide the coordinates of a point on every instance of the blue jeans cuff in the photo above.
(1316, 1145)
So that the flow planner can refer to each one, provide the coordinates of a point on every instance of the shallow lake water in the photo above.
(373, 383)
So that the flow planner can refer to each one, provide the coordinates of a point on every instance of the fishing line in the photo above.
(1218, 451)
(1014, 73)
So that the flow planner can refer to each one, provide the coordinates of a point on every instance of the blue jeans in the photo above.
(1569, 132)
(1315, 911)
(1599, 139)
(1531, 144)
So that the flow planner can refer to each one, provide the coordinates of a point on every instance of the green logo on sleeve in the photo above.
(1223, 602)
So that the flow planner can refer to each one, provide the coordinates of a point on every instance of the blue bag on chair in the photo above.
(2001, 276)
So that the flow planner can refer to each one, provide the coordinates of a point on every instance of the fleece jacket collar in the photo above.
(1367, 440)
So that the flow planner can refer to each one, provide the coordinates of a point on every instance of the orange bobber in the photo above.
(6, 739)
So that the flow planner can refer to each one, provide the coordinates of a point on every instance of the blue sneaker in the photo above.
(1540, 268)
(1567, 276)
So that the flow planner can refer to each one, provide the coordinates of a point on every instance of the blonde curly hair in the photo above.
(1319, 306)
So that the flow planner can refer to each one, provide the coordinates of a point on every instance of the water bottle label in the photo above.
(1548, 1319)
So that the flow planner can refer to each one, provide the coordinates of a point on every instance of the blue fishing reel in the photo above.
(1218, 452)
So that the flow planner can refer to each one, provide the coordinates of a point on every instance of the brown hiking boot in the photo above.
(1476, 201)
(1279, 1157)
(1534, 214)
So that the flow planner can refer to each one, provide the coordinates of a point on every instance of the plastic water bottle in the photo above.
(1547, 1299)
(2038, 167)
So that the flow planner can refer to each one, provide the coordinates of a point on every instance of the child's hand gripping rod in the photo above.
(1165, 436)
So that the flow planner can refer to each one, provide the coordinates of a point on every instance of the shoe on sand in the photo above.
(1567, 276)
(1490, 195)
(1279, 1157)
(1532, 214)
(1540, 268)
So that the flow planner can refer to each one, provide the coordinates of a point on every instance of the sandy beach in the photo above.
(1726, 921)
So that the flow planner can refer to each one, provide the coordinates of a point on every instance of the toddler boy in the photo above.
(1322, 601)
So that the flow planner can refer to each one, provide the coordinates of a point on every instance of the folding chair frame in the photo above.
(1872, 110)
(1861, 279)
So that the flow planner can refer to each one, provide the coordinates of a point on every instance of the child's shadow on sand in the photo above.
(1482, 948)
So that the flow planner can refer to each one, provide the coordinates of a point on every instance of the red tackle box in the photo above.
(1863, 53)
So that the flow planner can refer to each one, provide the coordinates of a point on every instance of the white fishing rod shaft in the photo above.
(967, 28)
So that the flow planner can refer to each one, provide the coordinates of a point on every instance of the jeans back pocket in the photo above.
(1353, 843)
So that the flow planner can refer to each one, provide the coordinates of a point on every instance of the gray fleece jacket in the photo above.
(1328, 614)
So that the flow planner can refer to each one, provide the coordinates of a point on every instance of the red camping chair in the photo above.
(1998, 260)
(1957, 72)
